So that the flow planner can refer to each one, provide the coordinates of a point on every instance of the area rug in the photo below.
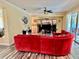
(12, 53)
(29, 55)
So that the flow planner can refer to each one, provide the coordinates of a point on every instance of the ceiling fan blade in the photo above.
(47, 11)
(50, 11)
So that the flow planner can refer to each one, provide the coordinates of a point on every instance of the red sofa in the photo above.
(53, 45)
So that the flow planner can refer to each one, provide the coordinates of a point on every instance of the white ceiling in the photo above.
(33, 6)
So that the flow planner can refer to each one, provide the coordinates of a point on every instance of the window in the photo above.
(1, 23)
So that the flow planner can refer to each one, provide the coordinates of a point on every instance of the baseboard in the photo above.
(7, 44)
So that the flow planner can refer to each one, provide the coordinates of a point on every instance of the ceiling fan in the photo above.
(47, 11)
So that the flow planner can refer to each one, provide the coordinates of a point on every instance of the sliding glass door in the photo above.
(77, 30)
(72, 25)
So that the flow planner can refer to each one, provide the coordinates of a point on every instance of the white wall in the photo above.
(12, 23)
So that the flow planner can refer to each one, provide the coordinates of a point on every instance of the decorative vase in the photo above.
(23, 32)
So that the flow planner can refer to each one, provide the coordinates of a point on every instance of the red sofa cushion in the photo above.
(53, 45)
